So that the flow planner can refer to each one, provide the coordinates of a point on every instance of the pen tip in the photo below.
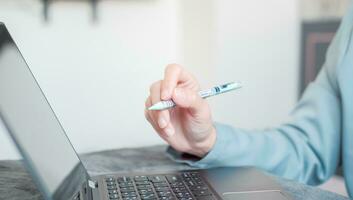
(154, 107)
(157, 106)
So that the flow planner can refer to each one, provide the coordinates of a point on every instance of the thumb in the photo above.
(187, 98)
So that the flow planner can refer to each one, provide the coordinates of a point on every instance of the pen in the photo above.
(162, 105)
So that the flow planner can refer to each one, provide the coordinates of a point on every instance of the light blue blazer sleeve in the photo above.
(307, 148)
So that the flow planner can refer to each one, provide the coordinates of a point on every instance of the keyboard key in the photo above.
(177, 184)
(173, 178)
(185, 175)
(187, 179)
(194, 174)
(111, 184)
(140, 178)
(146, 191)
(198, 187)
(148, 196)
(162, 184)
(197, 179)
(128, 194)
(186, 198)
(126, 184)
(164, 193)
(180, 186)
(142, 182)
(190, 183)
(127, 189)
(109, 179)
(111, 187)
(168, 198)
(182, 194)
(181, 189)
(124, 179)
(143, 187)
(113, 191)
(199, 183)
(160, 189)
(129, 198)
(156, 179)
(113, 196)
(201, 192)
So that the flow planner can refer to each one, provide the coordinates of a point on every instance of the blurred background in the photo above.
(95, 59)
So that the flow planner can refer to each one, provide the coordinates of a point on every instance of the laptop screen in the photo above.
(32, 124)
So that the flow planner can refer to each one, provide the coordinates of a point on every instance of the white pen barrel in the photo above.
(204, 94)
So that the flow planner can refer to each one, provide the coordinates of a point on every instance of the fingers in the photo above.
(173, 75)
(155, 126)
(160, 120)
(187, 98)
(166, 132)
(161, 117)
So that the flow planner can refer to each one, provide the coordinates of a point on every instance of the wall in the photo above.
(323, 9)
(97, 76)
(257, 43)
(86, 69)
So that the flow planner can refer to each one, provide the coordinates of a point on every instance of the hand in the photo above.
(187, 127)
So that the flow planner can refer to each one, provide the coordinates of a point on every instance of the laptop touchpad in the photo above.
(273, 195)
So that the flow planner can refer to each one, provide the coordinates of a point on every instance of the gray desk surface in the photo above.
(15, 182)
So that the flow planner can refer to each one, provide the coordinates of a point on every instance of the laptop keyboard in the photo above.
(183, 186)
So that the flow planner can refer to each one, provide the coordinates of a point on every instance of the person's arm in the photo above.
(307, 148)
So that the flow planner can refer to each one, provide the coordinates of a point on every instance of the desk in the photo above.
(15, 182)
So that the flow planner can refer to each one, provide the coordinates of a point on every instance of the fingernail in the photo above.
(162, 122)
(169, 131)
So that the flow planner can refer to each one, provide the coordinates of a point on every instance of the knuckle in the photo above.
(194, 99)
(193, 78)
(165, 84)
(155, 85)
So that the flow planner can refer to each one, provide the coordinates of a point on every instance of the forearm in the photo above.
(306, 149)
(283, 152)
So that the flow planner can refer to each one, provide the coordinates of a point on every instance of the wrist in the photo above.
(204, 147)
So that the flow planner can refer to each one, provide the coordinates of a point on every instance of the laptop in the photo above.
(59, 173)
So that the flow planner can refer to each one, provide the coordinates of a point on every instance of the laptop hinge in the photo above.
(92, 184)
